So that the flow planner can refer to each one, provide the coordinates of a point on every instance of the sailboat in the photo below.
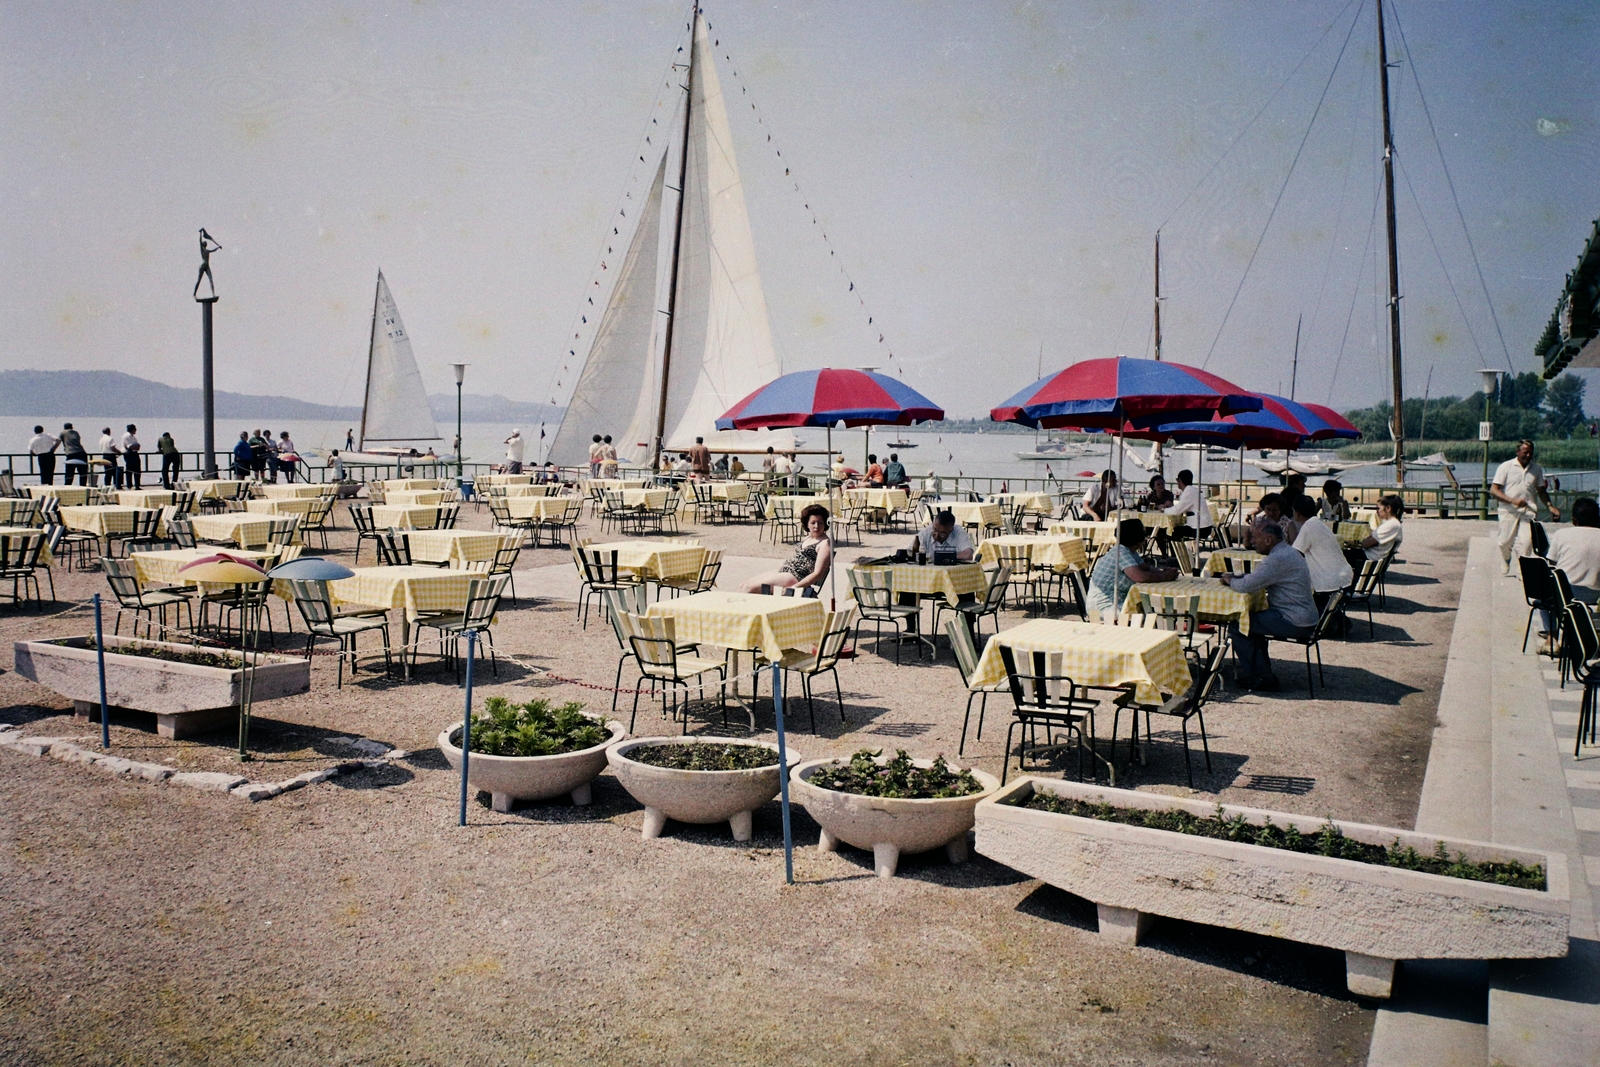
(671, 371)
(395, 405)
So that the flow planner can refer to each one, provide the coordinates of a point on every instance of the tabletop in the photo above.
(413, 590)
(415, 497)
(541, 507)
(951, 581)
(101, 520)
(616, 483)
(882, 499)
(1154, 520)
(1044, 550)
(654, 559)
(300, 506)
(772, 624)
(1353, 533)
(224, 488)
(970, 514)
(296, 491)
(10, 505)
(801, 501)
(24, 531)
(532, 490)
(403, 484)
(1096, 533)
(454, 547)
(1217, 601)
(1039, 503)
(654, 499)
(482, 480)
(149, 499)
(1150, 661)
(161, 567)
(67, 494)
(403, 517)
(730, 491)
(240, 527)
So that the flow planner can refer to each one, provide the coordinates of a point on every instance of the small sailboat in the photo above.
(395, 406)
(670, 372)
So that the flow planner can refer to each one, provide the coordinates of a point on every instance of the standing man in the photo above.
(130, 457)
(700, 460)
(514, 452)
(243, 457)
(1514, 485)
(1286, 579)
(171, 461)
(76, 455)
(111, 459)
(350, 440)
(43, 447)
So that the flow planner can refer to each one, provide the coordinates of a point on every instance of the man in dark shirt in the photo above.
(895, 473)
(77, 457)
(243, 456)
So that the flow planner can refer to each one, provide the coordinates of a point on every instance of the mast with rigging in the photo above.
(659, 440)
(1158, 296)
(1397, 416)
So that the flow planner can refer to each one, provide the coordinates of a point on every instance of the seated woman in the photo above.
(1334, 507)
(1121, 568)
(1386, 531)
(812, 557)
(1160, 496)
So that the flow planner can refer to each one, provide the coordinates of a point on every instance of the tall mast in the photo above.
(1294, 369)
(677, 248)
(372, 340)
(1398, 416)
(1158, 296)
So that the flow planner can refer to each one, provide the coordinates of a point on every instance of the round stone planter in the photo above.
(696, 796)
(508, 779)
(888, 826)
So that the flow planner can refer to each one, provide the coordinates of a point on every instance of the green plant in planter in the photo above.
(898, 778)
(1329, 841)
(197, 658)
(534, 729)
(705, 756)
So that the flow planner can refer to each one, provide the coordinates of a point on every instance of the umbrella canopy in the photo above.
(1338, 426)
(223, 569)
(1281, 423)
(311, 569)
(1113, 393)
(827, 397)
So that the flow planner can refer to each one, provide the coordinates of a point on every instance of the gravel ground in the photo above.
(353, 922)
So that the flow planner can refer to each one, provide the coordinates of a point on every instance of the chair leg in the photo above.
(1005, 765)
(1527, 630)
(839, 692)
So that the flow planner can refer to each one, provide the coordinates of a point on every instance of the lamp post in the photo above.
(461, 374)
(207, 299)
(1491, 378)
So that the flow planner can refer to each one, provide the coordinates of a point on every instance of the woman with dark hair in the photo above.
(1159, 496)
(1121, 568)
(812, 556)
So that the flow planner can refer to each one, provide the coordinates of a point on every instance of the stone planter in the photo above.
(185, 698)
(508, 779)
(888, 826)
(1376, 915)
(696, 796)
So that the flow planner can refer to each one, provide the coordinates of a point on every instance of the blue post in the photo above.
(100, 661)
(466, 724)
(783, 774)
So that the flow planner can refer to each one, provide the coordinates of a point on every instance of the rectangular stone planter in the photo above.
(184, 697)
(1376, 915)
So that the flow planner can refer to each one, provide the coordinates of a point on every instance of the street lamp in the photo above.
(1491, 378)
(461, 374)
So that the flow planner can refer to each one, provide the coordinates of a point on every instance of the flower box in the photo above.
(186, 698)
(1375, 914)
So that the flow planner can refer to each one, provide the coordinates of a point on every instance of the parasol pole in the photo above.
(783, 773)
(833, 592)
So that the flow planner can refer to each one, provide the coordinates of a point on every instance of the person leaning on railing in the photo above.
(171, 460)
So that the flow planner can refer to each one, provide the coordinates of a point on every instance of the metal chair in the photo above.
(319, 519)
(655, 649)
(1187, 705)
(600, 572)
(825, 660)
(1580, 647)
(505, 558)
(1313, 640)
(966, 656)
(1366, 585)
(974, 612)
(394, 547)
(444, 516)
(141, 531)
(324, 622)
(1046, 698)
(874, 595)
(19, 563)
(361, 519)
(699, 582)
(123, 577)
(1180, 614)
(483, 600)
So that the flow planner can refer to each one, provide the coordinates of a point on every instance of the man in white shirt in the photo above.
(514, 452)
(110, 459)
(1190, 502)
(130, 456)
(597, 453)
(1104, 497)
(43, 448)
(1514, 486)
(1575, 552)
(1330, 571)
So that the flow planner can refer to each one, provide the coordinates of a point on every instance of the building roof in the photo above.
(1576, 320)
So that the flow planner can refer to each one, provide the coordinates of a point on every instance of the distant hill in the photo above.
(104, 393)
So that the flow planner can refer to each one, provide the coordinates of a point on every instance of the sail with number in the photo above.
(395, 407)
(721, 347)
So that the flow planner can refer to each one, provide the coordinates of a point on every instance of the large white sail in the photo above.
(722, 344)
(617, 381)
(396, 403)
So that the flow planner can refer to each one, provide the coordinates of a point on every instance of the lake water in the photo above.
(982, 455)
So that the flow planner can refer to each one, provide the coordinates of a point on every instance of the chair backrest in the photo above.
(444, 518)
(394, 547)
(183, 500)
(1579, 642)
(123, 577)
(873, 587)
(994, 594)
(1039, 680)
(316, 606)
(181, 531)
(500, 510)
(1563, 586)
(483, 600)
(505, 557)
(54, 532)
(1367, 580)
(317, 514)
(622, 605)
(1017, 557)
(964, 647)
(1170, 612)
(1180, 552)
(361, 518)
(1538, 540)
(613, 500)
(1239, 564)
(20, 551)
(144, 522)
(283, 554)
(1538, 581)
(654, 642)
(1330, 611)
(835, 630)
(600, 565)
(710, 567)
(50, 509)
(282, 531)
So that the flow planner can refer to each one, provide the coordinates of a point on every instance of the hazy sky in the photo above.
(991, 175)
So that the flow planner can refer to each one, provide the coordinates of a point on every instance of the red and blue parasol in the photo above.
(1281, 423)
(828, 397)
(1114, 394)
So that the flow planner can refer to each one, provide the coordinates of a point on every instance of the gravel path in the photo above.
(352, 921)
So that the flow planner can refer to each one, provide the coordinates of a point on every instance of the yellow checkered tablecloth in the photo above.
(403, 518)
(223, 488)
(1044, 550)
(297, 491)
(413, 590)
(730, 491)
(1218, 561)
(655, 559)
(1154, 520)
(416, 498)
(482, 481)
(402, 484)
(281, 508)
(969, 514)
(1103, 656)
(882, 499)
(149, 499)
(23, 531)
(102, 520)
(772, 624)
(1217, 601)
(161, 568)
(1096, 533)
(513, 491)
(9, 506)
(1039, 503)
(655, 499)
(616, 484)
(240, 527)
(802, 501)
(929, 580)
(454, 547)
(544, 508)
(69, 495)
(1353, 533)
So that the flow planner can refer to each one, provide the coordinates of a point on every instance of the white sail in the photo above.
(396, 403)
(617, 379)
(722, 343)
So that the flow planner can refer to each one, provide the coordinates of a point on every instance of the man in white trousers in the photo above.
(1514, 486)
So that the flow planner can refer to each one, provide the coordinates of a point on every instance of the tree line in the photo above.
(1524, 405)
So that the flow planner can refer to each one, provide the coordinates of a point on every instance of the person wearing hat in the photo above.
(515, 446)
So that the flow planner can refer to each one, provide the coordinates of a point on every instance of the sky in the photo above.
(989, 176)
